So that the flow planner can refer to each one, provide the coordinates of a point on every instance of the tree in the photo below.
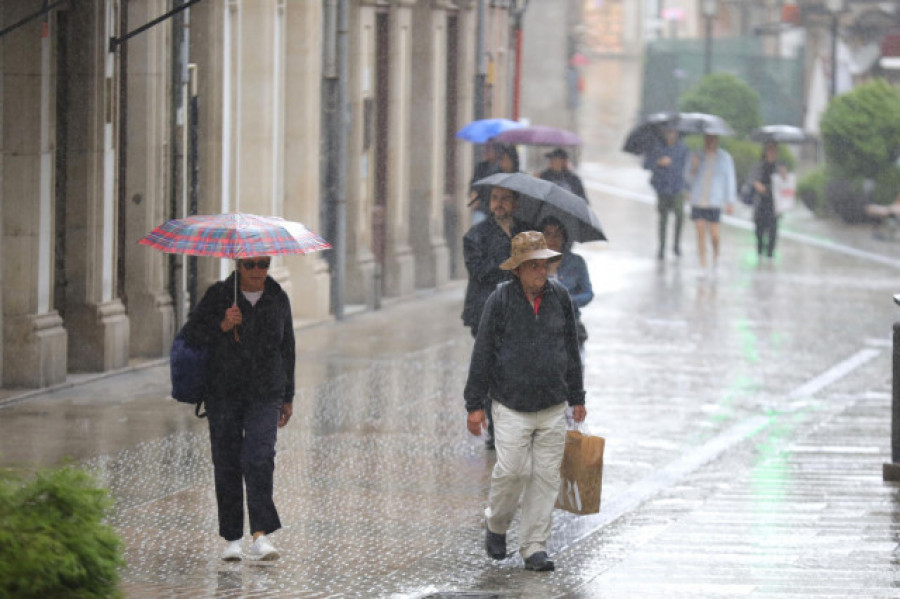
(727, 96)
(861, 130)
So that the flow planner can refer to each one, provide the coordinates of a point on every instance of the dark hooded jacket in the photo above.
(526, 361)
(485, 248)
(259, 366)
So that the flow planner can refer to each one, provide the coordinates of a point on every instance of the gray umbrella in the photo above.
(786, 134)
(707, 124)
(539, 198)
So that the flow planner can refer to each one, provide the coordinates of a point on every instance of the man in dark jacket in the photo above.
(480, 197)
(526, 357)
(250, 390)
(667, 162)
(560, 174)
(485, 246)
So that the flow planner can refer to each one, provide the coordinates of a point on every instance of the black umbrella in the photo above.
(645, 136)
(786, 134)
(539, 198)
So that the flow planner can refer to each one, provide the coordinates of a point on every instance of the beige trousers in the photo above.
(530, 448)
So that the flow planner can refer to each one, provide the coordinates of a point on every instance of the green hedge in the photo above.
(811, 190)
(53, 539)
(861, 130)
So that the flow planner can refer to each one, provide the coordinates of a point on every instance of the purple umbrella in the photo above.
(539, 135)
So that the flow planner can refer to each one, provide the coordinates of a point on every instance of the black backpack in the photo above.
(187, 365)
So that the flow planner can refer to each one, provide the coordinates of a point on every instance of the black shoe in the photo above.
(495, 544)
(676, 251)
(538, 562)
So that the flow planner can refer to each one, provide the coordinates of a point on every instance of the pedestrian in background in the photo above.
(713, 189)
(508, 158)
(570, 270)
(250, 390)
(759, 188)
(558, 172)
(526, 358)
(485, 247)
(480, 197)
(667, 162)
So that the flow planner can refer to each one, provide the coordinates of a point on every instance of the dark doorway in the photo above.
(382, 90)
(451, 214)
(62, 146)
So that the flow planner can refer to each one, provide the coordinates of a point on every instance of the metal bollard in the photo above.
(891, 472)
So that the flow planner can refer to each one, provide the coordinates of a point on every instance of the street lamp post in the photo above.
(835, 7)
(709, 7)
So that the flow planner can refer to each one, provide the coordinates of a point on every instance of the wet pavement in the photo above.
(746, 412)
(747, 417)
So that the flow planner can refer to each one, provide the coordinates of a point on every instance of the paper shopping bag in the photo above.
(581, 473)
(784, 190)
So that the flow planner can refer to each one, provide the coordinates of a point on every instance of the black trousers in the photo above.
(766, 233)
(242, 435)
(664, 205)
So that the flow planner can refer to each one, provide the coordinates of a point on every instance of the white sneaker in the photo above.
(262, 549)
(232, 552)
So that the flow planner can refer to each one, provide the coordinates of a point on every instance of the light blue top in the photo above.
(722, 181)
(573, 273)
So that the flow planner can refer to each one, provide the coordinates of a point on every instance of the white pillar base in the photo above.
(36, 350)
(100, 337)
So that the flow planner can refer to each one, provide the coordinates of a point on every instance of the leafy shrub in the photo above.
(727, 96)
(811, 190)
(861, 130)
(53, 542)
(887, 186)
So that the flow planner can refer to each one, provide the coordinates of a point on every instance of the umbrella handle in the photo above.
(237, 338)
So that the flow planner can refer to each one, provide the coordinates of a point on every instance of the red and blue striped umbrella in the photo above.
(234, 235)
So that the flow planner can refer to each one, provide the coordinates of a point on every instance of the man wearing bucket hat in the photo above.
(526, 357)
(559, 173)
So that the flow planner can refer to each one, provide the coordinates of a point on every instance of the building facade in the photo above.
(218, 108)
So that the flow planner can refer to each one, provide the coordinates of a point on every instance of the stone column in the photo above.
(149, 61)
(34, 341)
(360, 283)
(426, 213)
(399, 275)
(309, 274)
(466, 67)
(212, 45)
(95, 317)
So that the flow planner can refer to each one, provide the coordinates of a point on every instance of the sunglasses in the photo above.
(260, 264)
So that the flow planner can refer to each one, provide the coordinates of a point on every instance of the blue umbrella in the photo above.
(483, 130)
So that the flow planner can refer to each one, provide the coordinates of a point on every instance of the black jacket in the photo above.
(258, 367)
(527, 362)
(485, 248)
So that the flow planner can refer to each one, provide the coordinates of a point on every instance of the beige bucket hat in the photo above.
(529, 245)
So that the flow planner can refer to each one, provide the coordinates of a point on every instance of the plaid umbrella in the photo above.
(234, 235)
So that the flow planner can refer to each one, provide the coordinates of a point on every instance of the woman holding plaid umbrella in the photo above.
(250, 389)
(245, 323)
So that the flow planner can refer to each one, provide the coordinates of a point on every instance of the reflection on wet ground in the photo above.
(747, 415)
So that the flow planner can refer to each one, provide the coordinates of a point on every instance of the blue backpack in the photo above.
(187, 364)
